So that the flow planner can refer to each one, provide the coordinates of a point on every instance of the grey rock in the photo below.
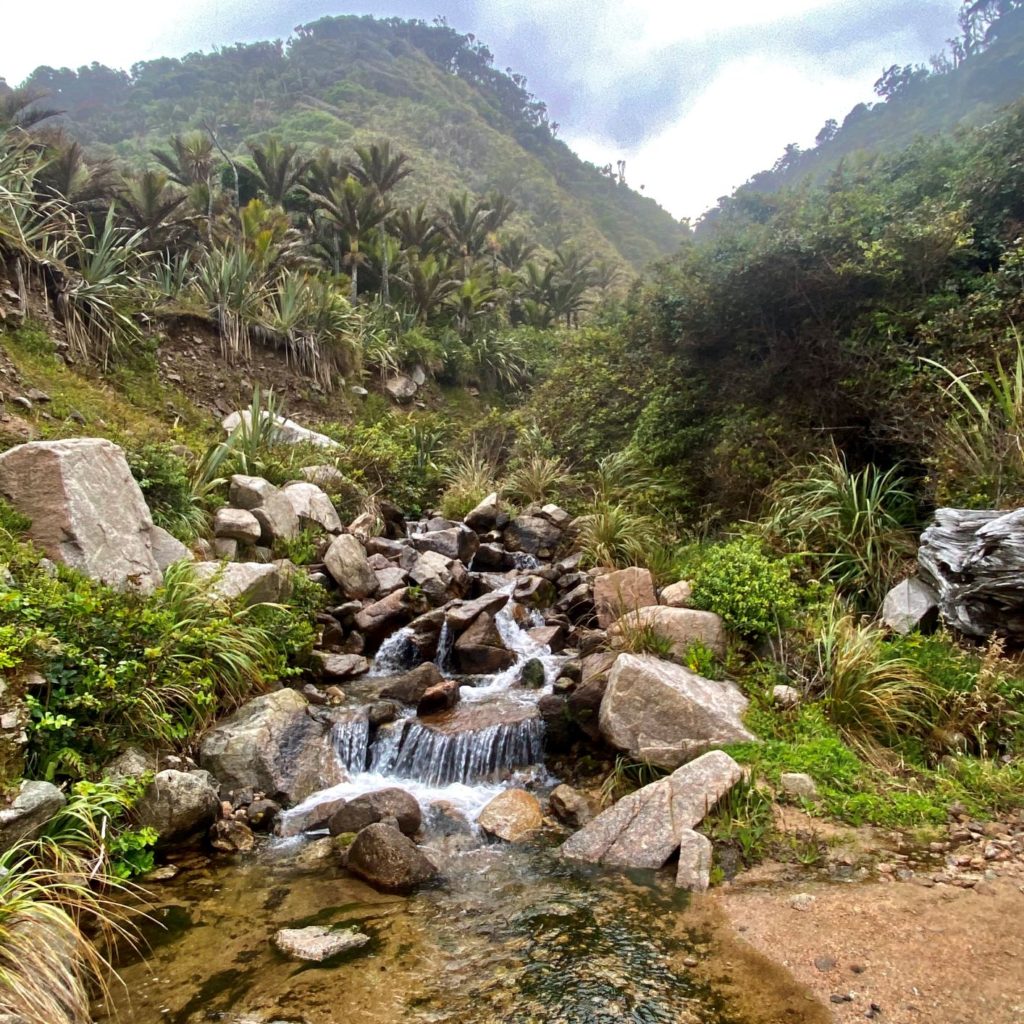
(678, 595)
(167, 549)
(86, 509)
(645, 828)
(411, 686)
(312, 506)
(131, 763)
(798, 784)
(249, 492)
(340, 666)
(909, 606)
(695, 854)
(480, 650)
(682, 627)
(665, 714)
(286, 431)
(460, 616)
(531, 535)
(369, 808)
(224, 549)
(277, 519)
(246, 582)
(318, 942)
(382, 856)
(457, 543)
(347, 563)
(390, 579)
(273, 745)
(236, 524)
(621, 592)
(570, 805)
(401, 388)
(330, 478)
(485, 516)
(26, 817)
(178, 805)
(786, 696)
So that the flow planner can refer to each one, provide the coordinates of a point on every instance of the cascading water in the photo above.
(445, 645)
(396, 654)
(350, 741)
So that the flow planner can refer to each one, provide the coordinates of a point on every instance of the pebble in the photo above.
(802, 901)
(825, 963)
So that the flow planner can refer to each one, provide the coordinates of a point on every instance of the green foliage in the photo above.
(166, 482)
(627, 776)
(617, 537)
(300, 550)
(537, 479)
(469, 478)
(639, 637)
(743, 819)
(753, 592)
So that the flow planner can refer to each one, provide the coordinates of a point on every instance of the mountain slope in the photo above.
(346, 80)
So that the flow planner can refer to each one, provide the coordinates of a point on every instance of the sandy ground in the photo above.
(921, 955)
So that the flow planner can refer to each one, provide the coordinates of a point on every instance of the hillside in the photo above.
(348, 80)
(982, 74)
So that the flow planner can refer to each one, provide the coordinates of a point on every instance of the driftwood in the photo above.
(975, 562)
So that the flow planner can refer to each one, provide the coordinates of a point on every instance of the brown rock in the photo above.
(387, 860)
(623, 591)
(512, 816)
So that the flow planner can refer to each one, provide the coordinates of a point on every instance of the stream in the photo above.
(514, 933)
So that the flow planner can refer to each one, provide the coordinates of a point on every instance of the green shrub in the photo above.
(165, 479)
(753, 592)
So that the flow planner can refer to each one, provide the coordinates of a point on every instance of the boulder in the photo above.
(26, 816)
(480, 650)
(556, 515)
(665, 714)
(682, 627)
(230, 836)
(570, 805)
(347, 563)
(458, 543)
(535, 591)
(263, 814)
(312, 506)
(678, 595)
(512, 816)
(431, 572)
(975, 562)
(318, 942)
(623, 591)
(532, 675)
(492, 556)
(246, 582)
(694, 869)
(645, 828)
(167, 549)
(236, 524)
(274, 745)
(411, 686)
(277, 519)
(178, 805)
(548, 636)
(224, 549)
(383, 617)
(330, 478)
(286, 431)
(460, 616)
(532, 535)
(85, 508)
(355, 814)
(911, 606)
(388, 860)
(340, 666)
(390, 579)
(486, 516)
(401, 388)
(441, 697)
(249, 492)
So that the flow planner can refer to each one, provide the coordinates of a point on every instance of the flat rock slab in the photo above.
(317, 942)
(644, 829)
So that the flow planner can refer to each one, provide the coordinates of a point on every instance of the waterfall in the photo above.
(384, 752)
(521, 560)
(396, 654)
(350, 741)
(445, 645)
(439, 758)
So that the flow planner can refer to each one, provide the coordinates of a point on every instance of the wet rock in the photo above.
(457, 543)
(340, 666)
(85, 508)
(381, 712)
(512, 816)
(247, 582)
(460, 616)
(480, 650)
(263, 814)
(695, 853)
(532, 535)
(236, 524)
(411, 686)
(623, 591)
(548, 636)
(532, 674)
(308, 819)
(347, 563)
(645, 828)
(535, 591)
(230, 836)
(312, 506)
(33, 806)
(178, 805)
(665, 714)
(426, 633)
(911, 605)
(677, 595)
(570, 806)
(441, 697)
(682, 627)
(168, 549)
(370, 808)
(318, 942)
(273, 745)
(387, 860)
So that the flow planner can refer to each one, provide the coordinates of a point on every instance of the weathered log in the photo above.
(975, 562)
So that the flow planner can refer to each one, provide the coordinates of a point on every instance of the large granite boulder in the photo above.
(273, 745)
(277, 519)
(86, 509)
(681, 627)
(237, 524)
(532, 535)
(487, 515)
(347, 563)
(665, 714)
(975, 562)
(249, 492)
(388, 860)
(369, 808)
(645, 828)
(513, 816)
(286, 431)
(247, 582)
(312, 506)
(911, 606)
(456, 543)
(623, 591)
(480, 650)
(178, 805)
(26, 816)
(167, 549)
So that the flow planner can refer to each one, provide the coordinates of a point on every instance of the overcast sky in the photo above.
(695, 96)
